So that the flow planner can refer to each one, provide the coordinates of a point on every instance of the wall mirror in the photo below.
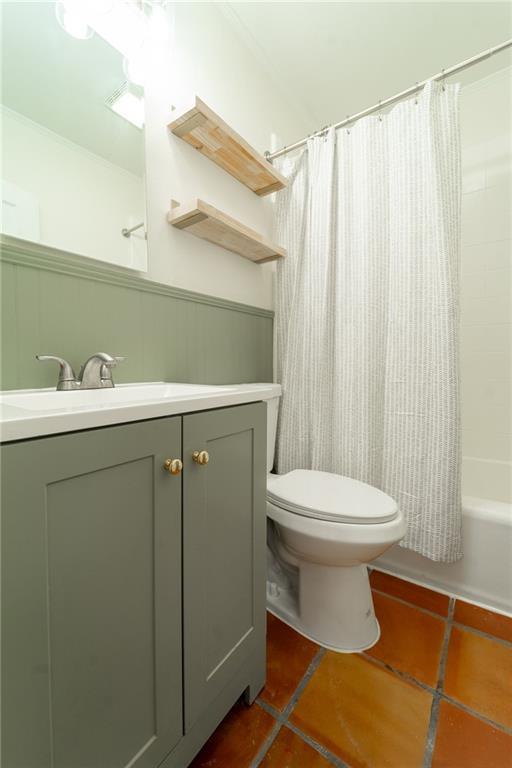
(73, 128)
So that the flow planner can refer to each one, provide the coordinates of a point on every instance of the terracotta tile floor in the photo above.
(435, 692)
(288, 658)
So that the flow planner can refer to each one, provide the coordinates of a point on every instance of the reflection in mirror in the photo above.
(72, 118)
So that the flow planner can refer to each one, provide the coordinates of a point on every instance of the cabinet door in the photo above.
(223, 548)
(91, 582)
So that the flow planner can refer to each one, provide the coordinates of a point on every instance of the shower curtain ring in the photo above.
(380, 111)
(347, 119)
(417, 91)
(443, 84)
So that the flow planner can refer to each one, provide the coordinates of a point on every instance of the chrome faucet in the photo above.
(95, 373)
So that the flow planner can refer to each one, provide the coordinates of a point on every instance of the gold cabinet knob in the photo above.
(201, 457)
(174, 466)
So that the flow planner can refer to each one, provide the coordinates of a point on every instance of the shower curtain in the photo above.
(367, 312)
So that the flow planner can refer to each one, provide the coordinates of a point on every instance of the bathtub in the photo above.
(484, 575)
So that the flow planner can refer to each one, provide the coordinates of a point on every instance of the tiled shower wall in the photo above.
(486, 287)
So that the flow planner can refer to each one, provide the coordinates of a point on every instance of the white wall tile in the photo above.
(493, 445)
(497, 212)
(499, 254)
(472, 283)
(473, 258)
(485, 416)
(498, 160)
(474, 166)
(486, 282)
(497, 282)
(474, 229)
(487, 479)
(476, 310)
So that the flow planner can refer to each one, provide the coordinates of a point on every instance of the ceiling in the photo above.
(328, 59)
(62, 83)
(332, 59)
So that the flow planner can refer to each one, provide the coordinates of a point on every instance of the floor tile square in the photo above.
(411, 593)
(464, 741)
(410, 640)
(364, 714)
(288, 657)
(479, 675)
(237, 740)
(290, 751)
(486, 621)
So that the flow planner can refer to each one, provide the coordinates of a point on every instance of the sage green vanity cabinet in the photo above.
(108, 561)
(91, 566)
(223, 543)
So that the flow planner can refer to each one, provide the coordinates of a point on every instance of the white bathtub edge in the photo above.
(484, 575)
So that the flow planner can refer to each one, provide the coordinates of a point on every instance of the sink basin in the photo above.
(27, 413)
(93, 399)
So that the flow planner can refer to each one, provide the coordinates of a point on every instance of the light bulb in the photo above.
(135, 67)
(72, 21)
(158, 25)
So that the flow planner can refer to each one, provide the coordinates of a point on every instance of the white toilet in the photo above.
(322, 530)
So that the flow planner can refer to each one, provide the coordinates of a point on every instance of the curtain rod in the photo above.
(397, 97)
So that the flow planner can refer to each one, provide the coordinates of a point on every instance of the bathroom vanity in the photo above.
(133, 571)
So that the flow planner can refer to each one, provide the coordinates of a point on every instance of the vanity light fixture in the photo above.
(132, 29)
(128, 102)
(125, 24)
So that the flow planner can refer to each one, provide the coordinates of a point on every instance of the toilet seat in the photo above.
(330, 497)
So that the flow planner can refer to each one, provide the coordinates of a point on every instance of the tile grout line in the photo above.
(304, 681)
(276, 714)
(446, 643)
(282, 721)
(313, 666)
(481, 633)
(260, 755)
(333, 759)
(477, 715)
(281, 717)
(434, 712)
(412, 605)
(435, 615)
(441, 692)
(433, 692)
(399, 673)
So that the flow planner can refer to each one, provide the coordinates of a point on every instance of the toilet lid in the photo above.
(327, 496)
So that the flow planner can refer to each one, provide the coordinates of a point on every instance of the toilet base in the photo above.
(331, 606)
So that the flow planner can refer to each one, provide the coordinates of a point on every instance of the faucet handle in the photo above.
(67, 379)
(106, 372)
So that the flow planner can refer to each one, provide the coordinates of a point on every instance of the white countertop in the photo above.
(29, 413)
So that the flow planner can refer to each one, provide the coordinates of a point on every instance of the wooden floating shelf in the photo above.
(208, 223)
(208, 133)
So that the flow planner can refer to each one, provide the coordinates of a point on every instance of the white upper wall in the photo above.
(207, 58)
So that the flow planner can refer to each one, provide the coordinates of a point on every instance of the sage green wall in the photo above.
(56, 303)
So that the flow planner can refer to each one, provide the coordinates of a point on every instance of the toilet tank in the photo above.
(272, 412)
(270, 393)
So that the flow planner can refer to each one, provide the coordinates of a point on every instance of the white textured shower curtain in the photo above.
(367, 312)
